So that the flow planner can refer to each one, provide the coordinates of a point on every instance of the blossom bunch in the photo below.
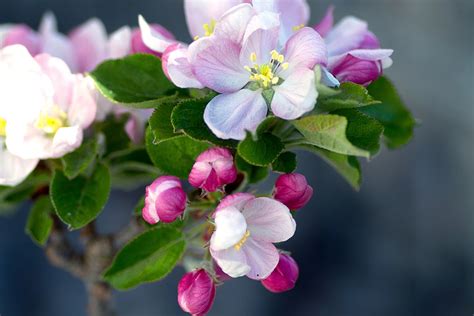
(196, 125)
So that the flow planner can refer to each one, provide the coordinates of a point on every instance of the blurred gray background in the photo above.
(404, 245)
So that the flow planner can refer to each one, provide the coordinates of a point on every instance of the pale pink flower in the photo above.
(50, 107)
(246, 228)
(213, 169)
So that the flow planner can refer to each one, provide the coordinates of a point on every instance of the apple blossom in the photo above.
(354, 52)
(213, 169)
(165, 200)
(54, 107)
(246, 228)
(284, 277)
(293, 190)
(196, 292)
(246, 69)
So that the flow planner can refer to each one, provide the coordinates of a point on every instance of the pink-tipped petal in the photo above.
(217, 66)
(156, 41)
(177, 67)
(237, 200)
(233, 262)
(305, 49)
(269, 220)
(23, 35)
(346, 35)
(327, 22)
(233, 23)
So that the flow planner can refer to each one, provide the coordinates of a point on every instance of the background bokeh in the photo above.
(403, 245)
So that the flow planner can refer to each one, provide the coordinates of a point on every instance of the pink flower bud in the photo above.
(137, 43)
(284, 277)
(213, 169)
(196, 292)
(165, 200)
(293, 190)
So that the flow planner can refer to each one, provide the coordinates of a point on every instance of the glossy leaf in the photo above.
(260, 150)
(40, 222)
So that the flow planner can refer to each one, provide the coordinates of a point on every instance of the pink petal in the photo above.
(217, 66)
(295, 96)
(61, 79)
(352, 69)
(346, 35)
(305, 49)
(156, 41)
(269, 220)
(233, 23)
(83, 108)
(200, 12)
(23, 35)
(66, 140)
(326, 24)
(177, 67)
(261, 42)
(237, 200)
(229, 116)
(90, 44)
(261, 257)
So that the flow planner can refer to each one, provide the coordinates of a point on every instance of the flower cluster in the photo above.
(89, 111)
(244, 228)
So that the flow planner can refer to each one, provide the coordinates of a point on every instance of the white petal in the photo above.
(66, 140)
(261, 42)
(230, 228)
(229, 116)
(27, 142)
(13, 170)
(269, 220)
(233, 262)
(180, 70)
(295, 96)
(154, 40)
(262, 257)
(233, 23)
(346, 35)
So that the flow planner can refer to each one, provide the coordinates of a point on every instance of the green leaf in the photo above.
(160, 122)
(116, 138)
(40, 222)
(131, 168)
(253, 173)
(175, 156)
(347, 166)
(392, 113)
(188, 117)
(348, 95)
(362, 130)
(148, 258)
(76, 162)
(328, 132)
(137, 81)
(285, 163)
(261, 151)
(269, 123)
(79, 201)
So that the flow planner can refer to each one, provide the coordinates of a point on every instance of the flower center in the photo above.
(3, 127)
(50, 121)
(208, 28)
(242, 241)
(267, 74)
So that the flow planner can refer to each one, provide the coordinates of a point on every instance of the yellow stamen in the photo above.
(285, 66)
(266, 74)
(241, 242)
(196, 37)
(3, 127)
(296, 28)
(209, 27)
(49, 122)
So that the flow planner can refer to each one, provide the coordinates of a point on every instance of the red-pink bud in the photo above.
(284, 277)
(196, 292)
(165, 200)
(293, 190)
(137, 43)
(213, 169)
